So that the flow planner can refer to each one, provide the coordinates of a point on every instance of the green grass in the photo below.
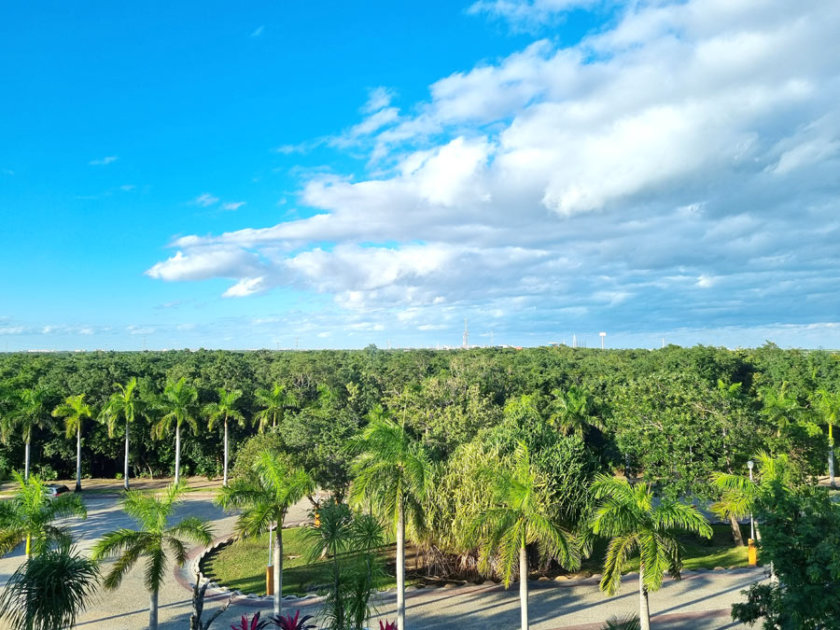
(697, 553)
(241, 566)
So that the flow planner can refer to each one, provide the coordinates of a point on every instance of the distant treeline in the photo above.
(674, 415)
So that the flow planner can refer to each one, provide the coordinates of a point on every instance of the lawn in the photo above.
(241, 566)
(697, 553)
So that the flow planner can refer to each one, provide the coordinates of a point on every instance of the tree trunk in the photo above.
(278, 570)
(736, 531)
(79, 457)
(831, 466)
(401, 565)
(26, 462)
(177, 453)
(125, 477)
(224, 480)
(153, 610)
(644, 606)
(523, 587)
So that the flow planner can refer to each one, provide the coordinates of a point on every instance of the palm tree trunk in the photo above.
(79, 457)
(278, 570)
(224, 481)
(177, 453)
(523, 587)
(153, 610)
(401, 565)
(26, 462)
(644, 606)
(28, 546)
(736, 530)
(125, 475)
(831, 466)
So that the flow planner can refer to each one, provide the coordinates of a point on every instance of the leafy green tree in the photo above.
(392, 475)
(125, 404)
(264, 498)
(74, 410)
(634, 522)
(572, 412)
(30, 411)
(156, 541)
(828, 406)
(49, 591)
(779, 408)
(224, 410)
(180, 403)
(800, 538)
(29, 515)
(518, 518)
(274, 402)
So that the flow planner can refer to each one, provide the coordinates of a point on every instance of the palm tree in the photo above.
(392, 475)
(126, 405)
(29, 411)
(74, 410)
(29, 514)
(828, 404)
(264, 499)
(779, 408)
(152, 541)
(179, 402)
(48, 591)
(224, 410)
(330, 539)
(571, 412)
(628, 516)
(738, 494)
(274, 403)
(518, 518)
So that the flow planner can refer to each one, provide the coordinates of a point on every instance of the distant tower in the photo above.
(466, 342)
(574, 340)
(603, 337)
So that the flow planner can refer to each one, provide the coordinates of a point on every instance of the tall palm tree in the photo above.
(828, 405)
(179, 404)
(29, 515)
(571, 412)
(28, 412)
(74, 411)
(518, 518)
(392, 475)
(124, 404)
(274, 402)
(629, 516)
(264, 499)
(224, 410)
(48, 591)
(154, 541)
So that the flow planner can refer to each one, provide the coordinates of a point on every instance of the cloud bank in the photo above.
(677, 170)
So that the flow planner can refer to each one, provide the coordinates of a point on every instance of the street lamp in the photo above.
(750, 465)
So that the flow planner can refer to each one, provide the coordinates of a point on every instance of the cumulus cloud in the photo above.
(675, 169)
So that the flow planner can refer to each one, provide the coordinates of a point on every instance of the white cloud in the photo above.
(110, 159)
(232, 205)
(692, 145)
(205, 200)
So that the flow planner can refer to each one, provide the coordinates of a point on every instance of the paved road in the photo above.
(699, 601)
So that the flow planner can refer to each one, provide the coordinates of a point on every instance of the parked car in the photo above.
(55, 489)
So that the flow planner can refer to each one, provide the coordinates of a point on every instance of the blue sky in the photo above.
(334, 174)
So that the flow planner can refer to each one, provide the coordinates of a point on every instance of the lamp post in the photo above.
(750, 465)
